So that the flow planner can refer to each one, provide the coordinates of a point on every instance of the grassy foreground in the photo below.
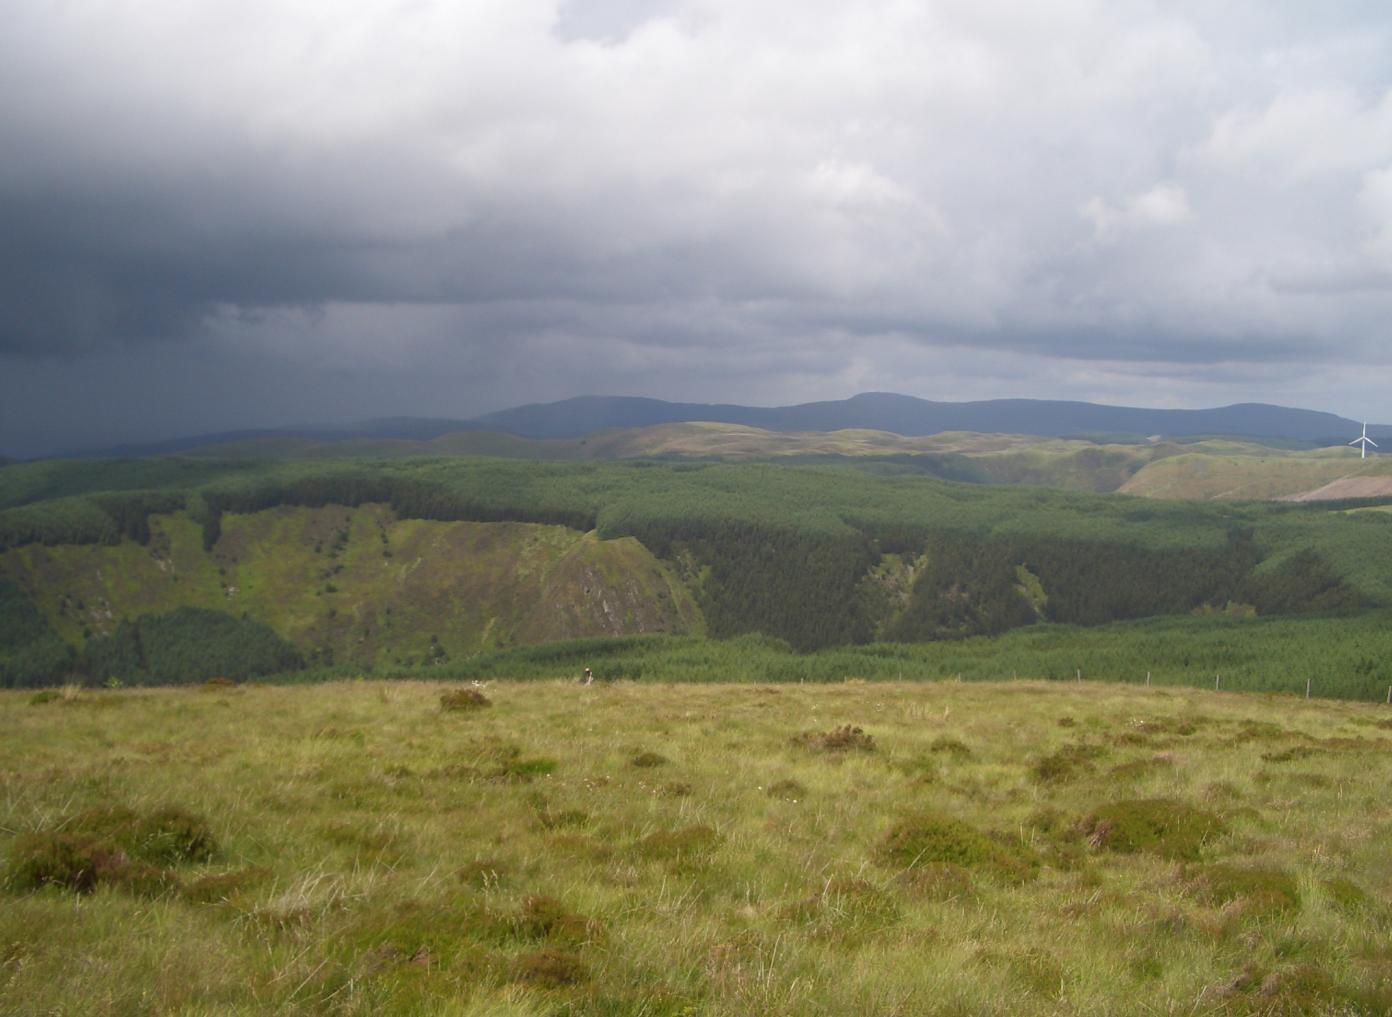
(359, 848)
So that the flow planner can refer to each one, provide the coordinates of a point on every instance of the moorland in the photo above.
(1018, 848)
(963, 724)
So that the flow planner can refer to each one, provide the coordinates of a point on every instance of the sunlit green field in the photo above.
(1020, 848)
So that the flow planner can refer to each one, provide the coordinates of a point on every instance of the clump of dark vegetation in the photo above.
(543, 917)
(45, 696)
(549, 968)
(678, 789)
(111, 847)
(839, 739)
(500, 762)
(1260, 891)
(1292, 992)
(1065, 764)
(1345, 893)
(844, 906)
(562, 819)
(1138, 768)
(681, 843)
(928, 838)
(950, 746)
(936, 881)
(1289, 755)
(484, 873)
(1160, 826)
(220, 887)
(647, 760)
(463, 700)
(788, 790)
(219, 683)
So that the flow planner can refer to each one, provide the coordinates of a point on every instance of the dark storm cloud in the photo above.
(693, 199)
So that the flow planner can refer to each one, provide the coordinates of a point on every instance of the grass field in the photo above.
(1021, 848)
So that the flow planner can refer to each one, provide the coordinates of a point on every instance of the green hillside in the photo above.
(361, 587)
(405, 562)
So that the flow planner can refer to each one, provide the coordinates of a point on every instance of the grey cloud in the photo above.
(774, 194)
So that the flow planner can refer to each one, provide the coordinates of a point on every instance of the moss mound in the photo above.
(549, 968)
(839, 739)
(1259, 890)
(684, 842)
(114, 846)
(1160, 826)
(927, 838)
(464, 700)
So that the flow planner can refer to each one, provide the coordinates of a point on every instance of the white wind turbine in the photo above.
(1364, 442)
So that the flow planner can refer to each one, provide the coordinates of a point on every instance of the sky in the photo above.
(222, 214)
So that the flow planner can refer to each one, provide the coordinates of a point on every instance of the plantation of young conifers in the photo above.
(631, 848)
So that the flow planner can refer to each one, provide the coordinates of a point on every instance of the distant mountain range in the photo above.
(879, 411)
(907, 415)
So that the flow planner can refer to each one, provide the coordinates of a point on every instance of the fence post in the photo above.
(1307, 688)
(1147, 679)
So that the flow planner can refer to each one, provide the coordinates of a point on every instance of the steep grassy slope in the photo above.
(361, 586)
(730, 851)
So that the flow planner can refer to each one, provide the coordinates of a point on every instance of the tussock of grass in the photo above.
(484, 873)
(113, 846)
(543, 917)
(946, 744)
(1139, 768)
(1066, 763)
(222, 887)
(840, 739)
(1345, 894)
(928, 838)
(844, 907)
(683, 842)
(648, 760)
(463, 701)
(1259, 891)
(1160, 826)
(550, 968)
(787, 790)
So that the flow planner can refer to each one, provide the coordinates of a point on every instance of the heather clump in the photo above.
(846, 738)
(114, 846)
(1160, 826)
(680, 843)
(927, 838)
(463, 701)
(550, 968)
(1256, 890)
(1065, 764)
